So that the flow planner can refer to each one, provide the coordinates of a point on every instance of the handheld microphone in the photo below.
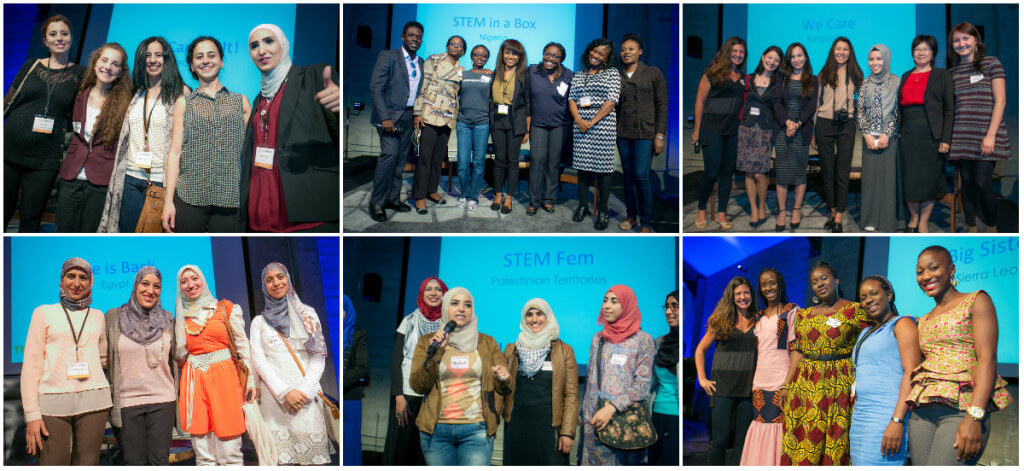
(448, 328)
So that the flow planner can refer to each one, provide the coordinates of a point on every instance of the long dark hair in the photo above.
(725, 315)
(192, 49)
(829, 74)
(609, 63)
(760, 62)
(171, 83)
(718, 70)
(514, 46)
(979, 49)
(783, 299)
(116, 105)
(806, 78)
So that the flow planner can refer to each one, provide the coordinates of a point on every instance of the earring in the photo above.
(815, 300)
(953, 278)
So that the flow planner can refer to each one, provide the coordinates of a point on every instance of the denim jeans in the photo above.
(472, 140)
(635, 156)
(133, 196)
(457, 445)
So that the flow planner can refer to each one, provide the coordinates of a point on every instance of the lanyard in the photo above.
(82, 329)
(145, 120)
(50, 86)
(504, 87)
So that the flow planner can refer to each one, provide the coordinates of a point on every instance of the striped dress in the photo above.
(791, 152)
(974, 105)
(594, 151)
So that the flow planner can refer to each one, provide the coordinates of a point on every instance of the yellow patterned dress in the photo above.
(817, 410)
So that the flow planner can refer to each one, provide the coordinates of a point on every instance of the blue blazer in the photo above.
(389, 85)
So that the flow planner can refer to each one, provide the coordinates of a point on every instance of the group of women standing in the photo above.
(451, 391)
(140, 365)
(910, 128)
(852, 382)
(608, 107)
(201, 160)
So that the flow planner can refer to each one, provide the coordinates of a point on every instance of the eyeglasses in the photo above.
(552, 56)
(923, 49)
(673, 306)
(457, 45)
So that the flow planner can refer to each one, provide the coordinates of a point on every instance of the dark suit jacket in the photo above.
(938, 103)
(99, 162)
(808, 105)
(520, 107)
(307, 149)
(389, 85)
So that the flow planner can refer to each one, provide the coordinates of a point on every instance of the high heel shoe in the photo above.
(795, 225)
(837, 228)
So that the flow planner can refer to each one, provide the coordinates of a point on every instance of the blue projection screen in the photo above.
(571, 273)
(982, 263)
(36, 263)
(181, 23)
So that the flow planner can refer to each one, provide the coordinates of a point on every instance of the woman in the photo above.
(473, 127)
(203, 168)
(956, 387)
(979, 89)
(541, 427)
(716, 123)
(756, 130)
(549, 100)
(509, 120)
(643, 121)
(876, 116)
(926, 128)
(460, 380)
(403, 441)
(795, 103)
(290, 182)
(592, 98)
(665, 387)
(836, 130)
(773, 328)
(211, 396)
(820, 371)
(96, 118)
(624, 367)
(140, 347)
(145, 136)
(37, 114)
(878, 434)
(730, 327)
(435, 113)
(289, 353)
(67, 407)
(357, 368)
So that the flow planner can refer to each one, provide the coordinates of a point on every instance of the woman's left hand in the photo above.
(968, 439)
(659, 144)
(988, 145)
(602, 417)
(943, 148)
(564, 445)
(526, 138)
(500, 372)
(892, 438)
(883, 141)
(329, 97)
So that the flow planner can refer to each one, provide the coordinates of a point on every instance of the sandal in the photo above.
(627, 224)
(439, 199)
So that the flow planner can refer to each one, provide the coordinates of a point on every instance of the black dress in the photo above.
(526, 443)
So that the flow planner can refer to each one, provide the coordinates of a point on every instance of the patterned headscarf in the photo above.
(277, 312)
(143, 326)
(886, 101)
(431, 313)
(533, 348)
(628, 323)
(464, 338)
(81, 264)
(270, 82)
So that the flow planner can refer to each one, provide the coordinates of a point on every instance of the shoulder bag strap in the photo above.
(600, 348)
(228, 306)
(301, 369)
(9, 100)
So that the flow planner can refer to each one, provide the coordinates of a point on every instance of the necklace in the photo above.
(190, 332)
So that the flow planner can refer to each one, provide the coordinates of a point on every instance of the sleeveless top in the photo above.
(722, 109)
(877, 359)
(210, 166)
(732, 369)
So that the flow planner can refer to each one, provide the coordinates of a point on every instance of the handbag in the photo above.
(630, 429)
(150, 219)
(331, 414)
(243, 371)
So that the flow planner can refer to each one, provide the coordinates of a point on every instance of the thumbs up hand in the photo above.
(330, 96)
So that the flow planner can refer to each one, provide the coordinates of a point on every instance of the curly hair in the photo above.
(832, 271)
(724, 317)
(979, 48)
(608, 63)
(171, 83)
(806, 78)
(885, 285)
(829, 74)
(516, 47)
(721, 64)
(192, 49)
(115, 106)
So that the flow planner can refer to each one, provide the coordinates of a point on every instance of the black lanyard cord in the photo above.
(50, 86)
(145, 120)
(80, 330)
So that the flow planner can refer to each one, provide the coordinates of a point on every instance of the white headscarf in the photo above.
(533, 348)
(199, 309)
(271, 81)
(464, 338)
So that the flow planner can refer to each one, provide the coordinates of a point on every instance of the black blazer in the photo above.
(520, 106)
(357, 367)
(808, 105)
(307, 149)
(938, 103)
(389, 85)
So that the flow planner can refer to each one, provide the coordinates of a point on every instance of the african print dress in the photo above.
(817, 411)
(763, 446)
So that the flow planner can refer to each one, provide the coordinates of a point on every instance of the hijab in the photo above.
(533, 348)
(199, 309)
(464, 338)
(277, 313)
(668, 351)
(143, 326)
(349, 322)
(81, 264)
(270, 82)
(628, 323)
(431, 313)
(889, 82)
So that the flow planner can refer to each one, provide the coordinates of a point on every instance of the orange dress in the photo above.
(217, 394)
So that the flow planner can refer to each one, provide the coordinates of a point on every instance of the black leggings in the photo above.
(835, 149)
(730, 415)
(719, 165)
(603, 182)
(978, 191)
(27, 190)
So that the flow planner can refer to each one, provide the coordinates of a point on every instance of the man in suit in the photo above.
(393, 87)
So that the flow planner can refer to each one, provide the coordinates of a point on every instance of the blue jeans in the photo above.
(132, 198)
(472, 139)
(457, 445)
(635, 156)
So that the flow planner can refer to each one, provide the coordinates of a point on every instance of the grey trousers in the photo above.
(933, 432)
(546, 145)
(394, 149)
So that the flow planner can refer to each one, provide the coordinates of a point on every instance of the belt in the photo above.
(408, 108)
(201, 362)
(812, 357)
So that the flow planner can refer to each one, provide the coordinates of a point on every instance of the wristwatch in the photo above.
(897, 420)
(976, 413)
(660, 137)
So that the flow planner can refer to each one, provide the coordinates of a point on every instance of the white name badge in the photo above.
(853, 389)
(459, 75)
(274, 340)
(265, 157)
(144, 159)
(546, 366)
(459, 363)
(77, 125)
(833, 322)
(977, 78)
(618, 359)
(562, 88)
(585, 101)
(78, 370)
(485, 78)
(502, 109)
(42, 124)
(755, 111)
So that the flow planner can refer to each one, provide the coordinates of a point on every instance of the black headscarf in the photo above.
(668, 352)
